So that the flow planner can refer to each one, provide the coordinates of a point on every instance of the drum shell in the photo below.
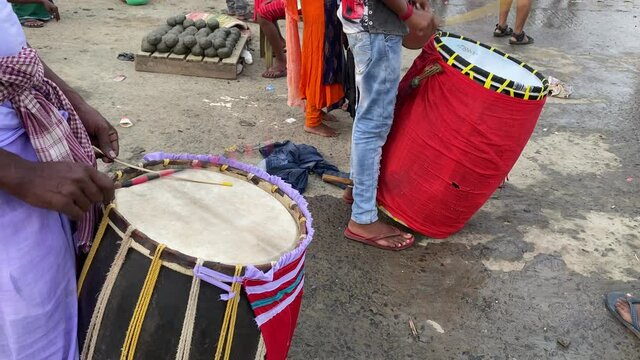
(164, 319)
(452, 144)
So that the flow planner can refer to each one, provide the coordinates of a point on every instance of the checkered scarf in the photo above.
(38, 102)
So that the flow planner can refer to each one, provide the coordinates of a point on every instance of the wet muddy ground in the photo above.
(523, 280)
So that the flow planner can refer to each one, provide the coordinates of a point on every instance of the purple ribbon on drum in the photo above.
(217, 279)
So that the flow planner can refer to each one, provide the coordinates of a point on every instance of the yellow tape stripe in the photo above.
(487, 83)
(451, 59)
(94, 247)
(504, 85)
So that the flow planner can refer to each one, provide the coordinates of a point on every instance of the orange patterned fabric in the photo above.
(311, 88)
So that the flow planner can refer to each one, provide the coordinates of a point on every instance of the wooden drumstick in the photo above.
(223, 183)
(336, 180)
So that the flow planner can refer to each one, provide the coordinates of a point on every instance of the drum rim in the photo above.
(187, 261)
(533, 92)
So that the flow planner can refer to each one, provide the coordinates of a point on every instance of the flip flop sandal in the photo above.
(502, 31)
(372, 241)
(610, 300)
(520, 39)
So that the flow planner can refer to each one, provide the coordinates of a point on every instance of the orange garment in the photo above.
(294, 54)
(312, 89)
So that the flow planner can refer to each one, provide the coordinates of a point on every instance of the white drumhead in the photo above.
(234, 225)
(492, 62)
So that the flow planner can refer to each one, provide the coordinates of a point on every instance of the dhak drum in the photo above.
(190, 270)
(464, 113)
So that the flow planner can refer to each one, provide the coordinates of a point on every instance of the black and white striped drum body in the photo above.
(185, 270)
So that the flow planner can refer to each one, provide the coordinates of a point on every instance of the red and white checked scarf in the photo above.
(38, 101)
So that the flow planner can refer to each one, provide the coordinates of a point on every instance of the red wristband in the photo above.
(408, 13)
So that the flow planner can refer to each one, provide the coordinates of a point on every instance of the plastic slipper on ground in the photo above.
(610, 300)
(373, 241)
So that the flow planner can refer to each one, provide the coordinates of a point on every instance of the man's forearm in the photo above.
(397, 6)
(12, 171)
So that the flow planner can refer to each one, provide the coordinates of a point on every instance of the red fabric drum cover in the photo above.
(452, 144)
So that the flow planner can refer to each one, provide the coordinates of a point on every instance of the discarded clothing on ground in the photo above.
(293, 163)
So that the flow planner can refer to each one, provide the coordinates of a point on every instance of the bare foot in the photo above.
(396, 239)
(622, 307)
(322, 130)
(276, 71)
(328, 117)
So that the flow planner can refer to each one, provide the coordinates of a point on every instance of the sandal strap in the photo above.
(634, 313)
(519, 37)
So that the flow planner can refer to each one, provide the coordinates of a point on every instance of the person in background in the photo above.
(35, 13)
(238, 8)
(321, 65)
(49, 191)
(268, 14)
(518, 36)
(375, 29)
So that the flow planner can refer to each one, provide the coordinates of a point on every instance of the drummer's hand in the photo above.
(421, 22)
(66, 187)
(421, 4)
(102, 134)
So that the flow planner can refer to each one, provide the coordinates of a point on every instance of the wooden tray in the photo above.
(191, 65)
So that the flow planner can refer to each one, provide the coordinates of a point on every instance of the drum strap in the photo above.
(135, 326)
(229, 322)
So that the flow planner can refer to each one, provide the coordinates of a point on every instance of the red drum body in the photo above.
(465, 112)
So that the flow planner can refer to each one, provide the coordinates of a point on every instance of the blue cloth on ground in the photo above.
(293, 163)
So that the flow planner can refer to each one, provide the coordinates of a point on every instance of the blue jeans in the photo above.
(377, 65)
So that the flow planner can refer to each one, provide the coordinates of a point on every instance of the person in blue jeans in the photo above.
(375, 29)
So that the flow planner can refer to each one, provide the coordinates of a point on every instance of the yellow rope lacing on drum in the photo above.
(135, 325)
(464, 71)
(94, 248)
(166, 162)
(526, 93)
(229, 321)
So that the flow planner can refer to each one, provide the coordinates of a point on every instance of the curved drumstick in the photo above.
(160, 173)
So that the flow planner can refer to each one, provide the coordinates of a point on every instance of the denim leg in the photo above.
(377, 64)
